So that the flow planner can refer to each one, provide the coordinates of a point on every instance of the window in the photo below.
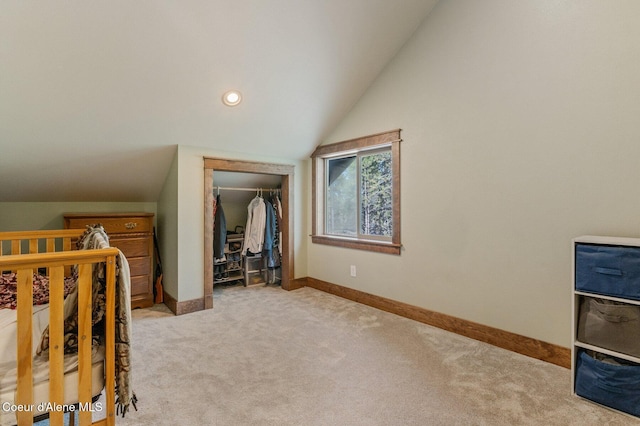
(356, 193)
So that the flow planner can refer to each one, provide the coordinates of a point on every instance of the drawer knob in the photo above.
(130, 225)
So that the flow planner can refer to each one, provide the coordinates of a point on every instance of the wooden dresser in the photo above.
(132, 233)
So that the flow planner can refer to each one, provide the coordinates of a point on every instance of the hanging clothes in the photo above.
(219, 231)
(278, 206)
(215, 207)
(270, 236)
(254, 231)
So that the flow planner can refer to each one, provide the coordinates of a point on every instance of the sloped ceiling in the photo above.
(95, 96)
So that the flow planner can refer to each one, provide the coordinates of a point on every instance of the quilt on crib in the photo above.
(9, 289)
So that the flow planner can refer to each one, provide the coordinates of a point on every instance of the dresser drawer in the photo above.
(140, 285)
(132, 247)
(139, 266)
(113, 225)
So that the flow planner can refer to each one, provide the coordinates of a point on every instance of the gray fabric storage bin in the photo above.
(609, 324)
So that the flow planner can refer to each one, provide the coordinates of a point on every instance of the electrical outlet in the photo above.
(353, 270)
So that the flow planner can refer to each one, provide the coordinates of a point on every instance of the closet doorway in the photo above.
(285, 172)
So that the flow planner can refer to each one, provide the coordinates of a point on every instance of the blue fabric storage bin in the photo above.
(608, 270)
(615, 386)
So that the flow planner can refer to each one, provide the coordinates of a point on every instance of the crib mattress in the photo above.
(8, 374)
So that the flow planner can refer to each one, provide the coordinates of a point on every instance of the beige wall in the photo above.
(185, 246)
(26, 216)
(168, 229)
(520, 128)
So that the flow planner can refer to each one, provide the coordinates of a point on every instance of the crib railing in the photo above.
(45, 241)
(16, 242)
(56, 262)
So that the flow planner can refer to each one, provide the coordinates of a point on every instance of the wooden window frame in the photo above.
(386, 139)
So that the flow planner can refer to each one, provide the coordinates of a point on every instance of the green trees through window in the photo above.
(376, 202)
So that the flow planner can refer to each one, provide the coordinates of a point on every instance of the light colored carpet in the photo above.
(264, 356)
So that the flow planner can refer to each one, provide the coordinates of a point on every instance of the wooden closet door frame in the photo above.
(283, 170)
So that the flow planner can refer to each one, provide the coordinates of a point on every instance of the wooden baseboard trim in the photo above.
(297, 283)
(184, 307)
(534, 348)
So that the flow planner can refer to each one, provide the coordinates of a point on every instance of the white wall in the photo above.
(187, 246)
(521, 131)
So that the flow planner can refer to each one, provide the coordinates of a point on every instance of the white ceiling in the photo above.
(95, 96)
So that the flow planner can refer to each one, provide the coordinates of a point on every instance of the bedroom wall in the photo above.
(167, 219)
(186, 245)
(21, 216)
(520, 128)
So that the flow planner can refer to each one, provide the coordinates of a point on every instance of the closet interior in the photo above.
(247, 229)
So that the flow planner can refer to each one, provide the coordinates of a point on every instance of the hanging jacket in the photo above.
(219, 230)
(278, 207)
(254, 231)
(269, 234)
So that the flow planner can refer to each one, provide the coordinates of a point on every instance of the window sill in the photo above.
(375, 246)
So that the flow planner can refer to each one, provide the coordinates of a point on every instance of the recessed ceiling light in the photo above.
(232, 98)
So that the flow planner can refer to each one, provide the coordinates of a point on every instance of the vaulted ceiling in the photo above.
(95, 96)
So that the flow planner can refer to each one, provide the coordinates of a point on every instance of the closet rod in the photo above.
(229, 188)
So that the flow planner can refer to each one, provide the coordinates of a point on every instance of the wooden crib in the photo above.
(30, 252)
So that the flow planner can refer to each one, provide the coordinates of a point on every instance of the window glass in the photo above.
(376, 205)
(342, 194)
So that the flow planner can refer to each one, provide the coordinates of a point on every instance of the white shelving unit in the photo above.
(231, 269)
(605, 354)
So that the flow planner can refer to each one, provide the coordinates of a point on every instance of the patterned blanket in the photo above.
(9, 289)
(95, 238)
